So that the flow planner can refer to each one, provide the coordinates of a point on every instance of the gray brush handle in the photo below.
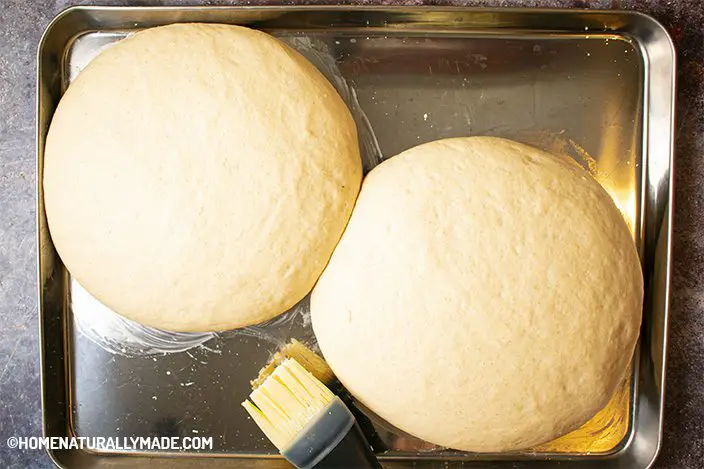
(332, 440)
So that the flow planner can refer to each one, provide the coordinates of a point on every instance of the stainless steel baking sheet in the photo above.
(597, 86)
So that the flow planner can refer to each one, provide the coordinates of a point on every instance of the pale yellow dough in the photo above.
(486, 296)
(197, 177)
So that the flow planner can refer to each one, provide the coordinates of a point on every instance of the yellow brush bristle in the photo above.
(286, 401)
(310, 360)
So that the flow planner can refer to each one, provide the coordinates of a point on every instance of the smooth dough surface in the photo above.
(197, 177)
(485, 296)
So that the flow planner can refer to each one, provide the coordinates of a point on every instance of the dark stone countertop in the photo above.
(21, 24)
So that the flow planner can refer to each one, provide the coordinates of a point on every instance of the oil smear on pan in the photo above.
(121, 336)
(278, 331)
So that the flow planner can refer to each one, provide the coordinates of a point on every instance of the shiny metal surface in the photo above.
(598, 86)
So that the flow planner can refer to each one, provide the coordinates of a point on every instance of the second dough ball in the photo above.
(197, 177)
(486, 296)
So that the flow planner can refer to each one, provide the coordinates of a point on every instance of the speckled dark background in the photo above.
(21, 24)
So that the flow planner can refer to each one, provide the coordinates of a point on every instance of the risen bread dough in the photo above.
(485, 296)
(197, 177)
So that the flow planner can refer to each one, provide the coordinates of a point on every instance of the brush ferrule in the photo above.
(322, 434)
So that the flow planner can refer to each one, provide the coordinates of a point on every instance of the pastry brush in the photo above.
(319, 368)
(310, 426)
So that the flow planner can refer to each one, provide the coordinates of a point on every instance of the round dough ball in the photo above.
(486, 296)
(197, 177)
